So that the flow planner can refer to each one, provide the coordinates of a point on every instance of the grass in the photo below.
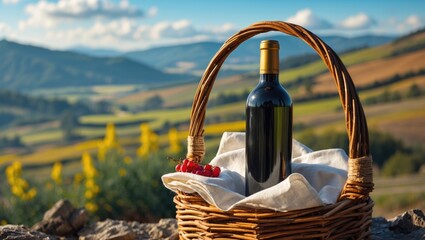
(52, 154)
(127, 136)
(348, 59)
(395, 195)
(48, 136)
(113, 89)
(320, 113)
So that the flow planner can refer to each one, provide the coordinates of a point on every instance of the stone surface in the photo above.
(385, 229)
(121, 230)
(20, 232)
(62, 220)
(409, 221)
(108, 230)
(165, 229)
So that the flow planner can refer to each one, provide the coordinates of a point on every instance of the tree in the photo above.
(414, 91)
(154, 102)
(68, 122)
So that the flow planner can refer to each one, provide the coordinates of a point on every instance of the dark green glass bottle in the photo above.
(268, 125)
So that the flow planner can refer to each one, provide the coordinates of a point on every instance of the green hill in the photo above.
(197, 55)
(25, 67)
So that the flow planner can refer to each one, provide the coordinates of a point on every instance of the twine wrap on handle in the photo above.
(360, 178)
(357, 186)
(195, 148)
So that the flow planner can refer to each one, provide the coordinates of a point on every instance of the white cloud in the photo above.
(49, 14)
(414, 21)
(226, 29)
(409, 24)
(306, 18)
(179, 29)
(4, 28)
(128, 32)
(115, 30)
(7, 31)
(152, 12)
(359, 21)
(10, 1)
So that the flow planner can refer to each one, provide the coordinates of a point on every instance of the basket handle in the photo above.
(359, 182)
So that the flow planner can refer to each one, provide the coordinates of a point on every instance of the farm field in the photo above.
(393, 196)
(405, 119)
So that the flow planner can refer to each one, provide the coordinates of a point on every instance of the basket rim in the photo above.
(346, 218)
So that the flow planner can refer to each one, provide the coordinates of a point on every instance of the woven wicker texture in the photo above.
(350, 218)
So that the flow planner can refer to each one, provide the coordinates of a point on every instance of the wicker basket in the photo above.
(349, 218)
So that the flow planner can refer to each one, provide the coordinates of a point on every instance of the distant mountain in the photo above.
(195, 56)
(96, 52)
(24, 67)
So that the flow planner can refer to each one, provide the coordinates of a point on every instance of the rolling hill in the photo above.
(195, 56)
(403, 117)
(26, 67)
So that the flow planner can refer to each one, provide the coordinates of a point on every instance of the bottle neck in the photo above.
(269, 61)
(269, 78)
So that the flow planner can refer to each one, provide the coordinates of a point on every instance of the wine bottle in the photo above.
(268, 125)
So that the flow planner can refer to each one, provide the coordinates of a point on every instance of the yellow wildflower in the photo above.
(173, 137)
(56, 173)
(78, 177)
(18, 191)
(109, 142)
(91, 207)
(88, 194)
(95, 189)
(111, 136)
(128, 160)
(18, 185)
(148, 141)
(90, 183)
(88, 167)
(122, 172)
(30, 194)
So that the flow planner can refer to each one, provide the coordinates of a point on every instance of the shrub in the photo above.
(117, 187)
(387, 152)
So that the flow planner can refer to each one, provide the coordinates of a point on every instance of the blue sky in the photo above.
(128, 25)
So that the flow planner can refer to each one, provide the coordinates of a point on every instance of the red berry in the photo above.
(216, 171)
(208, 167)
(207, 173)
(199, 172)
(178, 167)
(183, 168)
(186, 161)
(190, 166)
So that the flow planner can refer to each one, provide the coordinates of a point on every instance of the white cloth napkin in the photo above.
(317, 179)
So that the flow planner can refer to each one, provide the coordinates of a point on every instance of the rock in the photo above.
(165, 229)
(408, 222)
(62, 220)
(20, 232)
(121, 230)
(108, 230)
(78, 218)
